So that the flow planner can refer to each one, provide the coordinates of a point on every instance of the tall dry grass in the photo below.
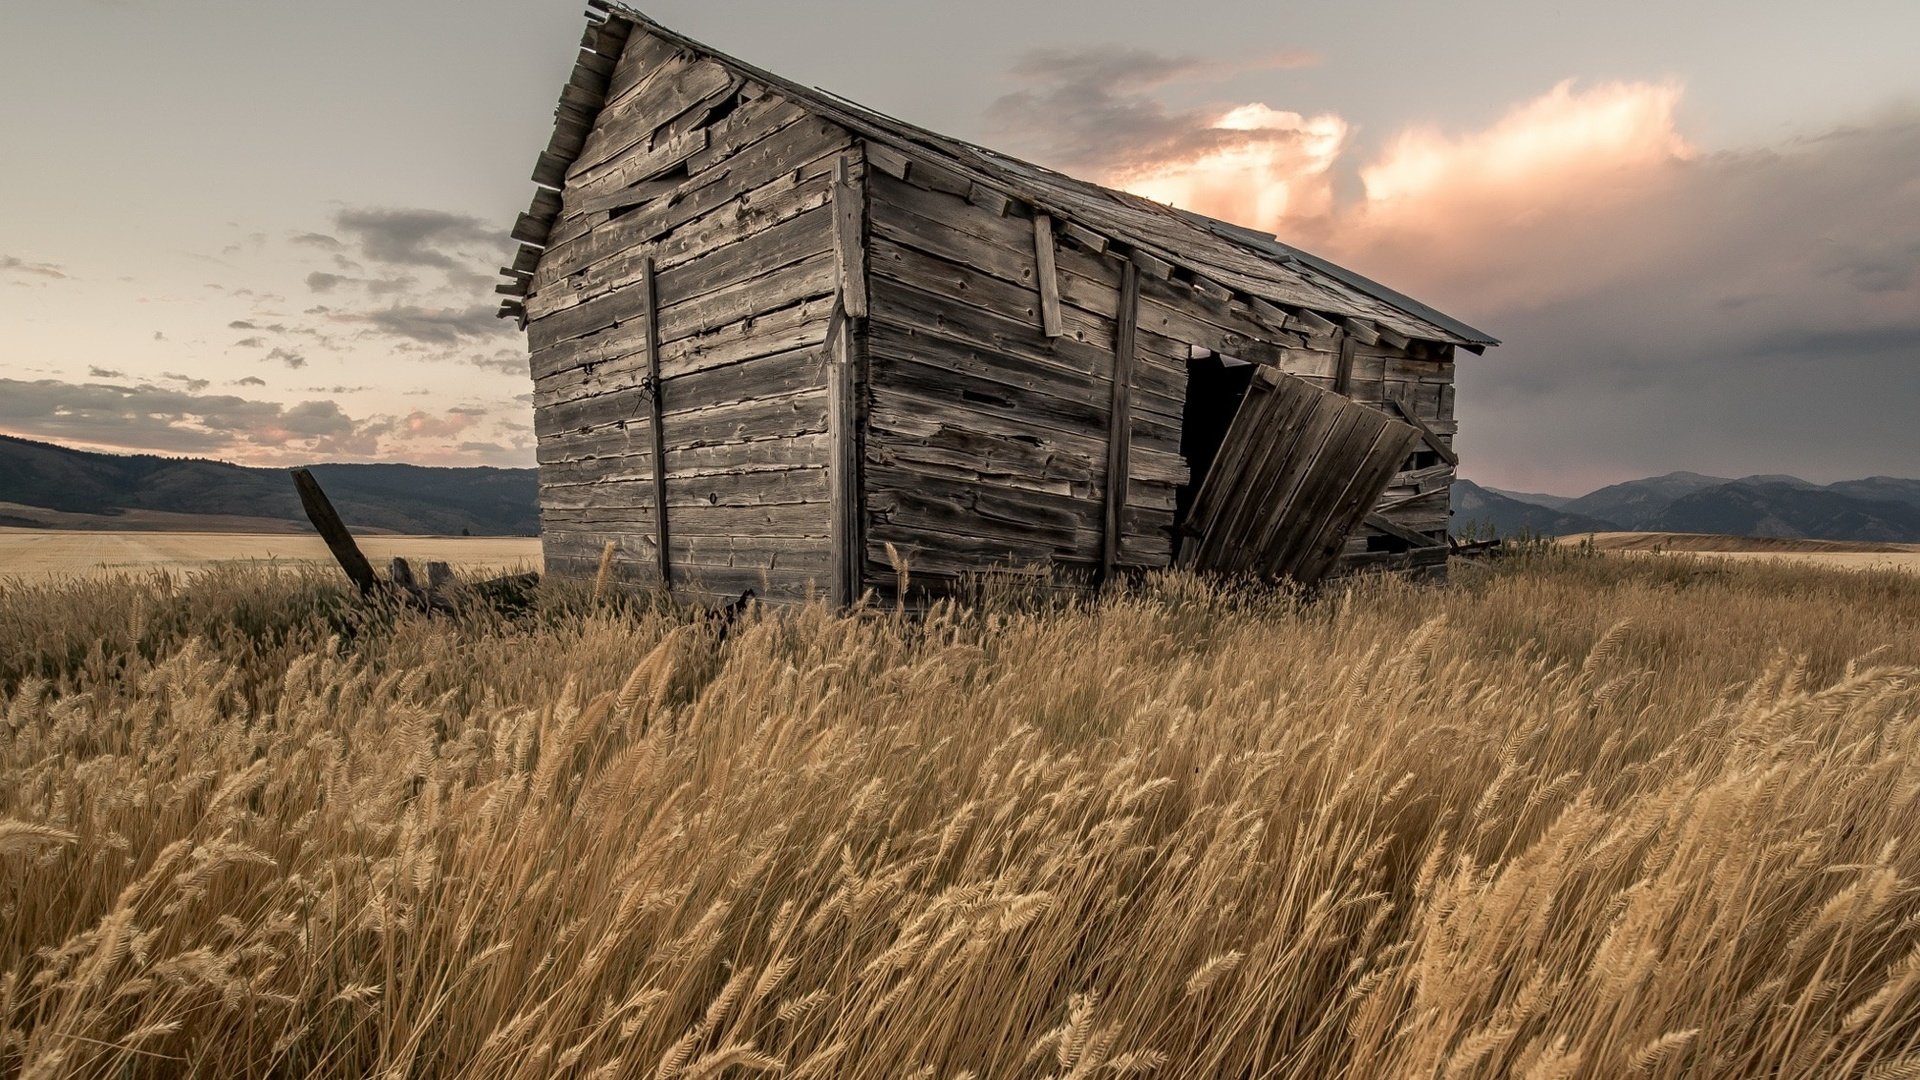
(1576, 817)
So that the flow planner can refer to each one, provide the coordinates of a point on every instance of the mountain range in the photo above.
(51, 486)
(1878, 508)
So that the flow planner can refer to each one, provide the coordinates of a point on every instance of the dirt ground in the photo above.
(1838, 554)
(39, 554)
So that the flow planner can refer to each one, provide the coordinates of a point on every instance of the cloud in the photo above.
(163, 419)
(13, 264)
(435, 326)
(288, 357)
(1663, 305)
(504, 361)
(105, 373)
(191, 383)
(147, 417)
(322, 281)
(250, 380)
(253, 342)
(417, 237)
(249, 324)
(1093, 108)
(319, 240)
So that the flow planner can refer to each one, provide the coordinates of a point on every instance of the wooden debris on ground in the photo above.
(436, 595)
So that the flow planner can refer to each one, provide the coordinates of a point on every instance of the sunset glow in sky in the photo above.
(268, 232)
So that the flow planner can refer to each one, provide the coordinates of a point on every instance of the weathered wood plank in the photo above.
(1427, 433)
(768, 377)
(771, 487)
(844, 475)
(738, 221)
(789, 147)
(797, 414)
(1119, 423)
(665, 91)
(605, 355)
(850, 234)
(1049, 276)
(792, 241)
(917, 310)
(783, 519)
(326, 521)
(649, 285)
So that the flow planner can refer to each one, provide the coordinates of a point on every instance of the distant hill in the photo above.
(1881, 509)
(1478, 509)
(1771, 507)
(1537, 498)
(144, 490)
(1638, 504)
(1884, 488)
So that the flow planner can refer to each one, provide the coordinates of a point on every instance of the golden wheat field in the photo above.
(1832, 554)
(55, 553)
(1569, 816)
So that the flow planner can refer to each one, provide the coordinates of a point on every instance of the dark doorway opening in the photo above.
(1215, 387)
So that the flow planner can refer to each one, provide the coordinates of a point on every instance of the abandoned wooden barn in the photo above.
(773, 333)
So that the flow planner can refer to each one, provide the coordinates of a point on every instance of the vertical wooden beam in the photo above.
(1120, 421)
(843, 475)
(846, 343)
(1050, 319)
(1343, 375)
(651, 285)
(849, 236)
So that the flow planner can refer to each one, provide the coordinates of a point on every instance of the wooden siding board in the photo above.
(1120, 424)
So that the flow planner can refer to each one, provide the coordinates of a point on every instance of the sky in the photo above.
(267, 232)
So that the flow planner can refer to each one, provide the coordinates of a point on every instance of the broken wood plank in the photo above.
(849, 236)
(326, 521)
(1049, 277)
(1427, 434)
(1394, 529)
(1343, 374)
(1313, 323)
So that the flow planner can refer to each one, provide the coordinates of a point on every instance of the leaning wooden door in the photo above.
(1298, 470)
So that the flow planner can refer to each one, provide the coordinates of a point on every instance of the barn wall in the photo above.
(986, 440)
(726, 187)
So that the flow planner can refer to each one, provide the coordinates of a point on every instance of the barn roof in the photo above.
(1239, 259)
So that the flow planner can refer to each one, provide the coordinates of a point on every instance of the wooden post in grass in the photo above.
(331, 529)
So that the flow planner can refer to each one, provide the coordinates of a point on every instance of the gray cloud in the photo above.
(417, 237)
(253, 342)
(13, 264)
(99, 372)
(1093, 108)
(435, 326)
(322, 281)
(192, 384)
(148, 417)
(319, 240)
(144, 416)
(250, 380)
(288, 357)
